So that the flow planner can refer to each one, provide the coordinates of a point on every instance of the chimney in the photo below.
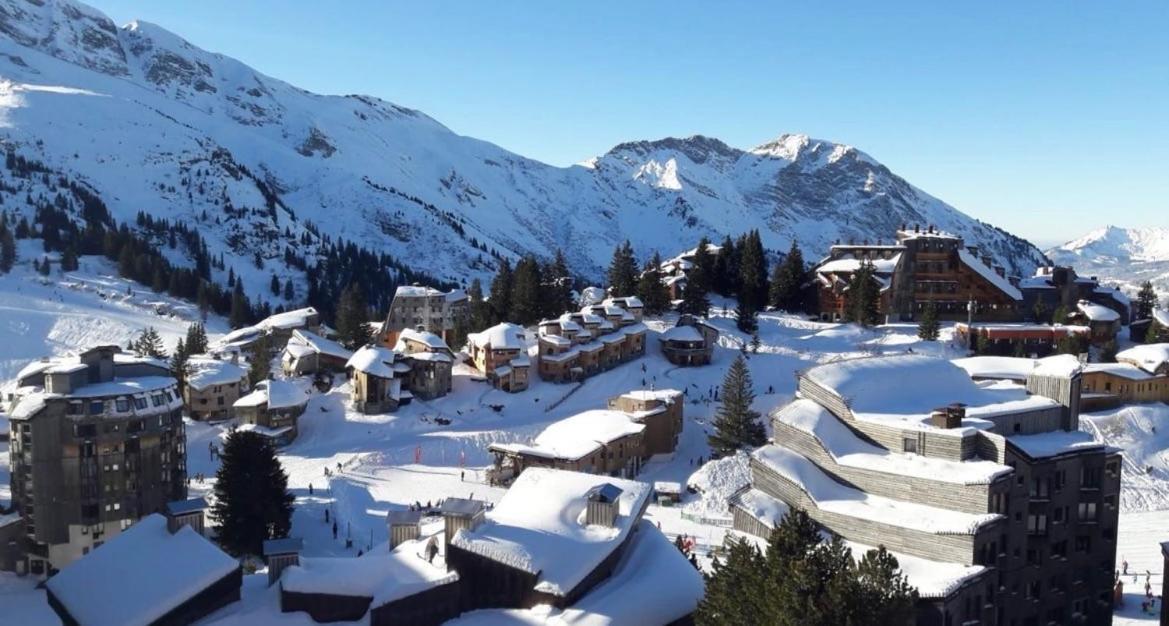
(185, 513)
(460, 514)
(58, 382)
(1000, 270)
(602, 505)
(948, 417)
(280, 554)
(403, 526)
(986, 260)
(931, 230)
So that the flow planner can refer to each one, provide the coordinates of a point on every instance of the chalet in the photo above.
(431, 363)
(277, 328)
(595, 442)
(674, 271)
(309, 353)
(1006, 339)
(272, 409)
(599, 337)
(1103, 323)
(1152, 358)
(376, 375)
(153, 573)
(660, 411)
(212, 386)
(501, 354)
(1053, 287)
(922, 267)
(1109, 385)
(553, 537)
(415, 307)
(690, 342)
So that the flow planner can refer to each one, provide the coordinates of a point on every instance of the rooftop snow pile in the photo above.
(429, 339)
(140, 575)
(768, 510)
(277, 394)
(874, 389)
(290, 319)
(850, 264)
(579, 436)
(1054, 443)
(989, 274)
(1161, 316)
(1097, 312)
(1018, 368)
(205, 372)
(682, 333)
(538, 527)
(503, 336)
(373, 360)
(829, 495)
(319, 344)
(1150, 357)
(1123, 370)
(380, 574)
(717, 481)
(851, 451)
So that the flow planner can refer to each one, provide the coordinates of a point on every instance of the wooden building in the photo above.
(272, 409)
(690, 342)
(309, 353)
(212, 386)
(431, 363)
(426, 309)
(1017, 339)
(599, 337)
(921, 267)
(376, 375)
(660, 411)
(595, 442)
(1055, 287)
(501, 354)
(1104, 324)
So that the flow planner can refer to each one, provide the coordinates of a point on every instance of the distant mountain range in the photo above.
(1124, 256)
(154, 124)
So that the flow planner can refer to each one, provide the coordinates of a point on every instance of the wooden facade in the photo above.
(686, 351)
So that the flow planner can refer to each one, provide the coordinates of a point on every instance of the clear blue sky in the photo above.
(1044, 118)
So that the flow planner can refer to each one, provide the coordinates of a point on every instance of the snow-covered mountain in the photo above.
(152, 123)
(1126, 256)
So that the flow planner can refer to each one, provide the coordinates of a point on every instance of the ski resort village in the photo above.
(274, 358)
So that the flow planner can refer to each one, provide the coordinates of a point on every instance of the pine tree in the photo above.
(882, 594)
(746, 317)
(274, 285)
(928, 326)
(1039, 311)
(753, 272)
(149, 344)
(252, 501)
(557, 286)
(500, 299)
(7, 250)
(655, 298)
(260, 360)
(241, 312)
(481, 315)
(863, 296)
(526, 293)
(755, 343)
(353, 318)
(622, 274)
(736, 425)
(703, 269)
(180, 363)
(69, 261)
(734, 590)
(785, 290)
(196, 340)
(1060, 316)
(694, 298)
(1146, 302)
(289, 290)
(1155, 333)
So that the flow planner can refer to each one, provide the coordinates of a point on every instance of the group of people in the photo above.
(200, 478)
(686, 543)
(1149, 603)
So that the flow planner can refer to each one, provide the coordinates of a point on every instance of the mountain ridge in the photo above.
(1124, 256)
(154, 123)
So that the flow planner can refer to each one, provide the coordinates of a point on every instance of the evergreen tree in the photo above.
(260, 360)
(655, 298)
(746, 317)
(69, 261)
(787, 279)
(694, 298)
(149, 343)
(7, 250)
(481, 314)
(1146, 302)
(1060, 316)
(289, 290)
(557, 286)
(753, 271)
(501, 292)
(622, 275)
(928, 326)
(525, 292)
(46, 268)
(882, 594)
(755, 343)
(353, 318)
(241, 312)
(735, 589)
(180, 363)
(703, 269)
(736, 425)
(274, 285)
(1155, 333)
(1069, 344)
(863, 296)
(1039, 311)
(196, 338)
(252, 501)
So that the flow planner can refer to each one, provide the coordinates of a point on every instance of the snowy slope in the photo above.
(154, 123)
(1125, 256)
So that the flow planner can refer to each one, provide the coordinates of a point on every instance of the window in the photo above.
(1041, 488)
(1037, 524)
(1083, 543)
(1087, 512)
(1090, 478)
(157, 399)
(1057, 515)
(909, 445)
(139, 403)
(122, 405)
(96, 407)
(86, 430)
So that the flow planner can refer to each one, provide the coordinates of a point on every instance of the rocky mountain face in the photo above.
(152, 123)
(1125, 256)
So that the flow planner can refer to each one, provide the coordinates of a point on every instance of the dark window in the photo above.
(96, 407)
(122, 404)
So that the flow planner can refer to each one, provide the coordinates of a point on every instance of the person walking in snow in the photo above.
(326, 515)
(334, 529)
(310, 489)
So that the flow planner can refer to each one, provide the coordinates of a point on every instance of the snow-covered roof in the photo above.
(665, 395)
(1097, 312)
(140, 575)
(206, 372)
(277, 394)
(426, 356)
(631, 302)
(1123, 370)
(538, 527)
(429, 339)
(505, 336)
(989, 274)
(761, 506)
(288, 319)
(417, 291)
(849, 264)
(830, 495)
(374, 360)
(1149, 357)
(381, 574)
(1161, 316)
(319, 344)
(1055, 442)
(578, 436)
(851, 451)
(874, 390)
(681, 333)
(1018, 368)
(932, 579)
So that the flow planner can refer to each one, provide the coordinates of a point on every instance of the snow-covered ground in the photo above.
(391, 461)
